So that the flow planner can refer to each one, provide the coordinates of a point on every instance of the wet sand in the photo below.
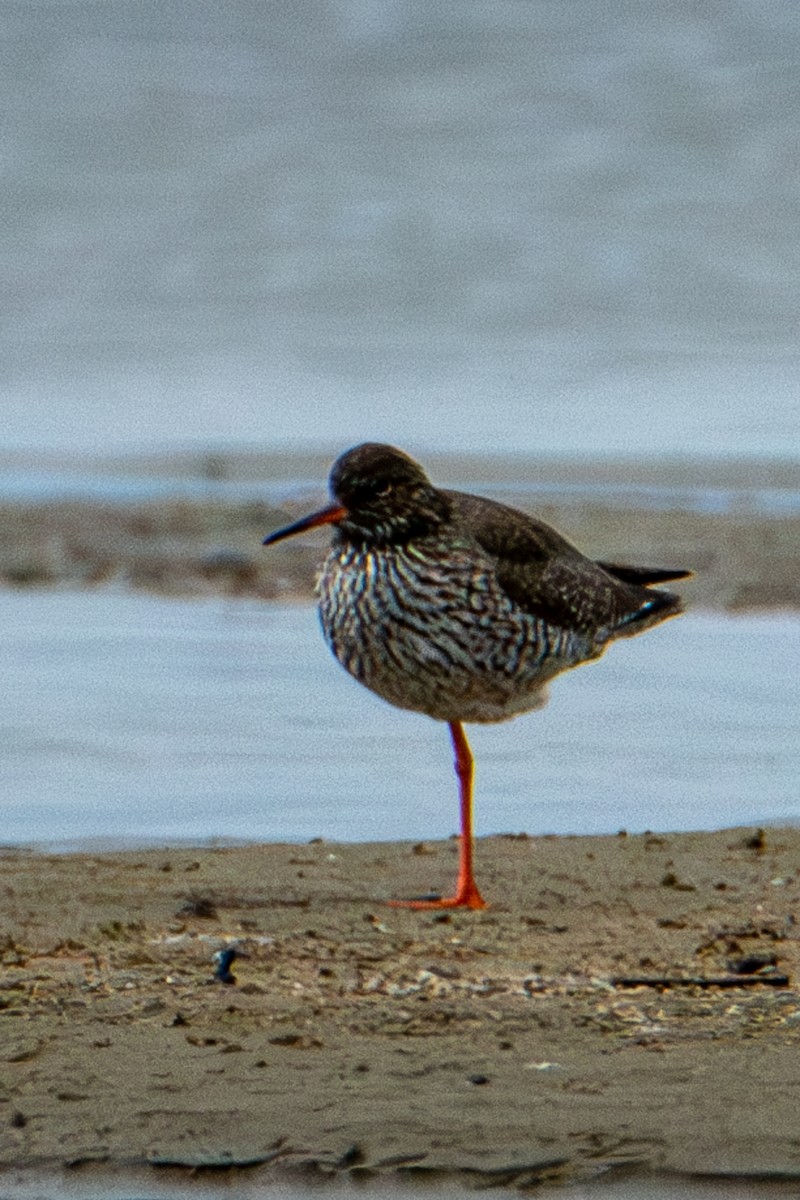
(709, 517)
(505, 1047)
(199, 548)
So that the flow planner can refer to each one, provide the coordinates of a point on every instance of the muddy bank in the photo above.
(186, 547)
(192, 524)
(626, 1001)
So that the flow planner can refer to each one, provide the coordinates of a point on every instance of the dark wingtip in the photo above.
(644, 576)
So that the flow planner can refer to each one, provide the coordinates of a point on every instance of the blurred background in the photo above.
(549, 246)
(519, 225)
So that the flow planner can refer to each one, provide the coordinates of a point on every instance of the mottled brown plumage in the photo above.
(460, 607)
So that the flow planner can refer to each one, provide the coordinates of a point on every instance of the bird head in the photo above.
(380, 495)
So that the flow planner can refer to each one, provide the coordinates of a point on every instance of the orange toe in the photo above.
(466, 897)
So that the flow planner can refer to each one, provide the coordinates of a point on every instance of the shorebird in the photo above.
(460, 607)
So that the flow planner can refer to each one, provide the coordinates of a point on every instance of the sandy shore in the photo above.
(709, 517)
(502, 1047)
(182, 548)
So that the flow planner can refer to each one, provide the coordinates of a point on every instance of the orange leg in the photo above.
(467, 894)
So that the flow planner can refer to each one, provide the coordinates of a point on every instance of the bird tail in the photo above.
(656, 607)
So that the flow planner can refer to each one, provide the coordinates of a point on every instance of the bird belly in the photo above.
(445, 642)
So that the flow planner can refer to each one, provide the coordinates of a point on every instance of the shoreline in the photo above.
(165, 1181)
(504, 1047)
(190, 522)
(193, 547)
(221, 463)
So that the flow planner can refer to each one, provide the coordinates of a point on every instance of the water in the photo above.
(135, 717)
(32, 485)
(455, 224)
(142, 1187)
(542, 228)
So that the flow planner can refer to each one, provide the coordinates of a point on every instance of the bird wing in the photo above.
(548, 577)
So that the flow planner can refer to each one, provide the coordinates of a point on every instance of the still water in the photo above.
(549, 227)
(141, 1187)
(131, 717)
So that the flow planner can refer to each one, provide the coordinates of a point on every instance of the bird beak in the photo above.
(326, 516)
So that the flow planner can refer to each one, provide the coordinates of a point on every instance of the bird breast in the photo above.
(436, 633)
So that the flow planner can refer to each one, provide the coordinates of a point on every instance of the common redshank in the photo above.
(460, 607)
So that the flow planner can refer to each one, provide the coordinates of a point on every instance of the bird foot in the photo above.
(465, 897)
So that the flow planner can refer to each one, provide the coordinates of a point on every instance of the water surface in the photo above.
(128, 716)
(142, 1187)
(464, 224)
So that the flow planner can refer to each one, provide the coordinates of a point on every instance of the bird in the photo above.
(461, 607)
